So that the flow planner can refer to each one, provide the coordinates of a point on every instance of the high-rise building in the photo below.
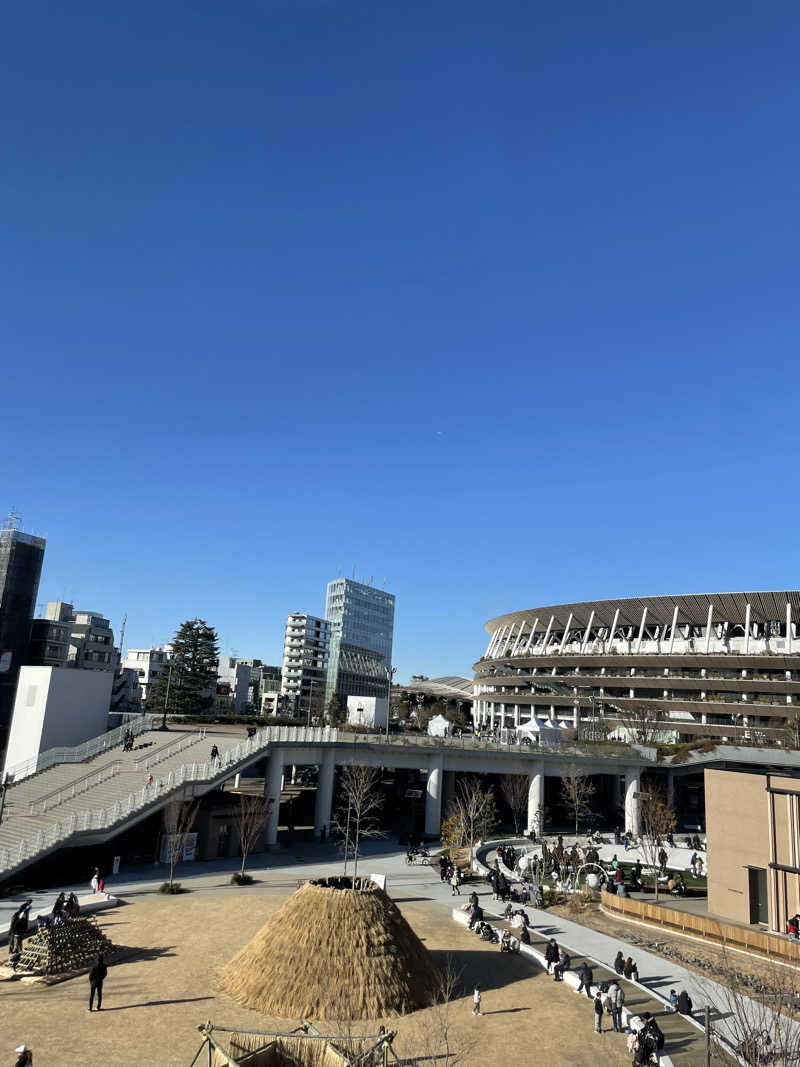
(305, 664)
(147, 663)
(21, 558)
(69, 638)
(362, 630)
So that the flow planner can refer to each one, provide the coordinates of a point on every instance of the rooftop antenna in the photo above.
(122, 633)
(12, 520)
(354, 572)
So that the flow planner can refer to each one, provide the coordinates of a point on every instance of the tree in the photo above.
(753, 1013)
(642, 725)
(356, 815)
(250, 819)
(472, 814)
(657, 820)
(179, 816)
(515, 792)
(577, 791)
(187, 683)
(791, 730)
(335, 715)
(442, 1039)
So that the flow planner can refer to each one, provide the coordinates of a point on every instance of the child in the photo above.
(476, 1001)
(673, 1000)
(598, 1013)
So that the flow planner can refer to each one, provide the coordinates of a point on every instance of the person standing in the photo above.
(585, 972)
(97, 976)
(95, 882)
(551, 953)
(617, 996)
(25, 1056)
(476, 1001)
(455, 884)
(598, 1013)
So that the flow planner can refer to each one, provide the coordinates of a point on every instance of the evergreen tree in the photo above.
(193, 682)
(335, 712)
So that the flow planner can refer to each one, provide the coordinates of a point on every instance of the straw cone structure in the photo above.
(332, 952)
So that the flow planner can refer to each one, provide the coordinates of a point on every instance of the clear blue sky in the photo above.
(496, 302)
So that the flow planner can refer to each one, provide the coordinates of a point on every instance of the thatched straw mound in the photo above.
(333, 952)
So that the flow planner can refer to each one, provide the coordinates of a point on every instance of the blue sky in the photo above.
(497, 303)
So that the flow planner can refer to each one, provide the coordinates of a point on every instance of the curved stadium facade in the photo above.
(723, 665)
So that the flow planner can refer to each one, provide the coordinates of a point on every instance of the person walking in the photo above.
(585, 971)
(455, 884)
(18, 927)
(476, 1001)
(97, 976)
(598, 1013)
(95, 882)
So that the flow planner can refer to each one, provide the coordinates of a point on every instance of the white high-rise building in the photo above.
(305, 664)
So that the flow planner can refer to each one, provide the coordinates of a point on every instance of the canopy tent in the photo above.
(439, 726)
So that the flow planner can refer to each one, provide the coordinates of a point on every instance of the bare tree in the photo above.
(250, 818)
(754, 1015)
(179, 816)
(443, 1041)
(657, 820)
(642, 725)
(356, 815)
(577, 791)
(515, 793)
(472, 814)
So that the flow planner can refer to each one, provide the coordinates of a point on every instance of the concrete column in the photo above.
(536, 797)
(324, 799)
(631, 800)
(433, 797)
(616, 792)
(272, 789)
(491, 715)
(516, 716)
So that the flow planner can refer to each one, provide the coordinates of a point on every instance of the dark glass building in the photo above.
(362, 630)
(21, 558)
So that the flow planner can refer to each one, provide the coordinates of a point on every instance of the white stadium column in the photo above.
(536, 797)
(324, 800)
(272, 789)
(566, 634)
(613, 628)
(533, 631)
(708, 627)
(672, 631)
(747, 629)
(433, 797)
(641, 632)
(632, 800)
(587, 631)
(788, 645)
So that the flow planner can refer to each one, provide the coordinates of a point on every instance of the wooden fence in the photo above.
(750, 939)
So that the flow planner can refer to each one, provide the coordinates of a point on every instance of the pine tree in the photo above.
(193, 682)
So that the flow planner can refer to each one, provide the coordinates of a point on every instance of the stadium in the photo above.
(647, 669)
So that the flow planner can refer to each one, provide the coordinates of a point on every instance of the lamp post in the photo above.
(311, 685)
(166, 698)
(390, 673)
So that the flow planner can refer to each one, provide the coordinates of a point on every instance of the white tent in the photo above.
(544, 728)
(439, 726)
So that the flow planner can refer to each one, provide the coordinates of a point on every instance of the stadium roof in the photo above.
(452, 686)
(692, 608)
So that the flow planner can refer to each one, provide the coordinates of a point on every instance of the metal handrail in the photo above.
(146, 762)
(78, 753)
(41, 804)
(103, 818)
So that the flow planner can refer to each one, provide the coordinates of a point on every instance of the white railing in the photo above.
(79, 753)
(146, 762)
(74, 789)
(104, 818)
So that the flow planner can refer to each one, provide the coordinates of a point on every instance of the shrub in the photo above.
(241, 879)
(165, 887)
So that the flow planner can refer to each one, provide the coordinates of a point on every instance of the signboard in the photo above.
(5, 660)
(379, 880)
(185, 848)
(115, 865)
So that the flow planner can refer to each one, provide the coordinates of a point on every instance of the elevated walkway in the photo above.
(86, 802)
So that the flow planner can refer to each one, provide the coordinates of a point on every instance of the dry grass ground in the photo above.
(155, 1001)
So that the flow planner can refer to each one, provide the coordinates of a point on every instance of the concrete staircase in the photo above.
(81, 803)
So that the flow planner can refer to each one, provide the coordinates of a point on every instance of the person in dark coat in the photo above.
(684, 1003)
(551, 953)
(25, 1056)
(59, 904)
(18, 927)
(477, 915)
(97, 976)
(585, 971)
(619, 963)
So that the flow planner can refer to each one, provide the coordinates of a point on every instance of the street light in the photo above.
(166, 697)
(390, 673)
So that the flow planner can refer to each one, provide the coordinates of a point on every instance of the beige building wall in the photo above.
(737, 831)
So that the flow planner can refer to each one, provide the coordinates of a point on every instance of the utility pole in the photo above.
(390, 673)
(708, 1035)
(166, 698)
